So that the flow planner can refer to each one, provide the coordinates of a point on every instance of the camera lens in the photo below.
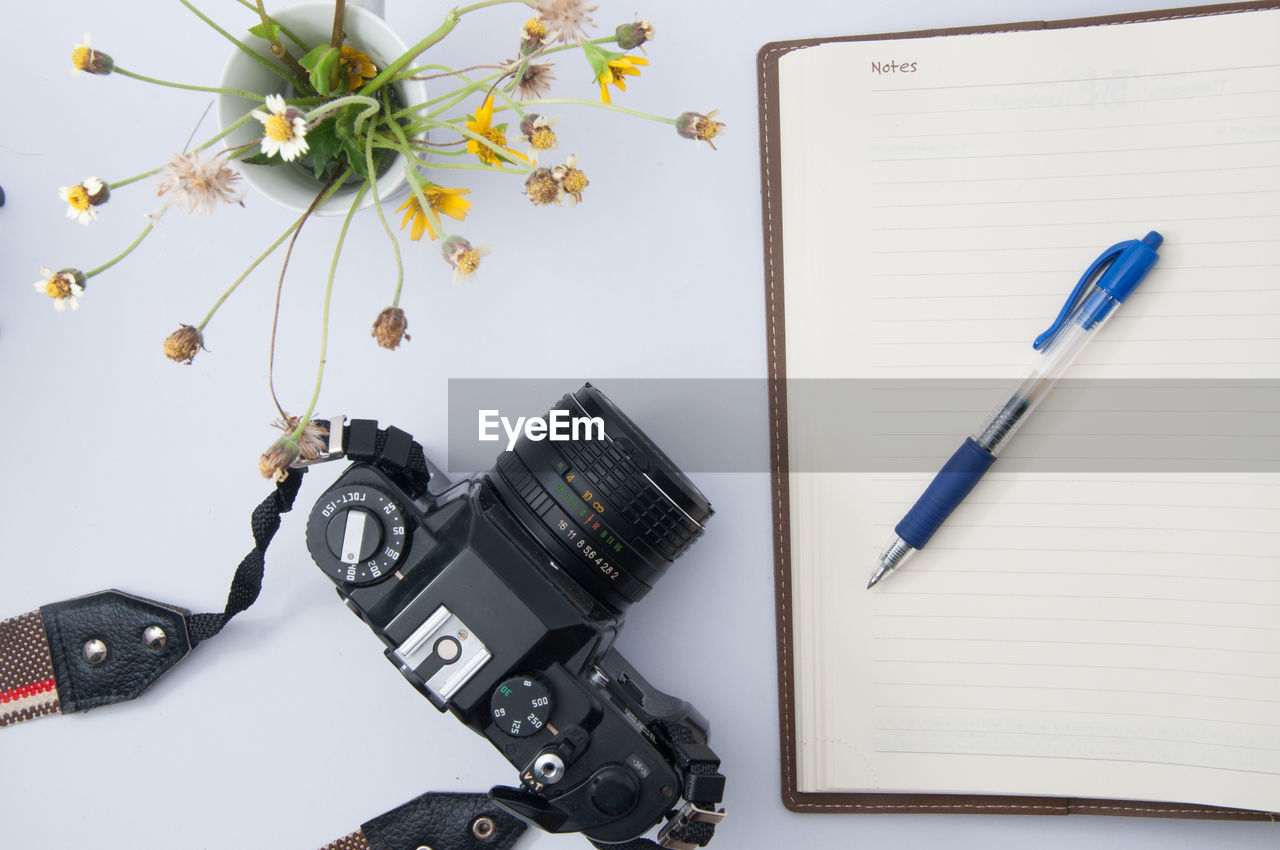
(608, 506)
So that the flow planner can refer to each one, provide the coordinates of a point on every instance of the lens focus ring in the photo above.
(651, 515)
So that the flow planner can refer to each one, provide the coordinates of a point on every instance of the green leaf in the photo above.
(323, 148)
(261, 31)
(321, 62)
(355, 156)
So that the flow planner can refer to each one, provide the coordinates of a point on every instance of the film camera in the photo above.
(499, 599)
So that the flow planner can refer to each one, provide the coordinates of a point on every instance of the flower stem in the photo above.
(328, 293)
(450, 21)
(154, 81)
(288, 32)
(267, 253)
(332, 106)
(126, 252)
(609, 106)
(135, 178)
(377, 205)
(284, 267)
(278, 49)
(244, 48)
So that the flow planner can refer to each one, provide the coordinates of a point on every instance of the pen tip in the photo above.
(875, 579)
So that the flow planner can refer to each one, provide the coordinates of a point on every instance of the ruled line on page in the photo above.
(1041, 665)
(1090, 222)
(987, 709)
(1115, 621)
(1086, 199)
(1077, 689)
(1073, 104)
(1085, 735)
(1077, 152)
(1075, 175)
(1196, 122)
(1055, 756)
(992, 249)
(949, 639)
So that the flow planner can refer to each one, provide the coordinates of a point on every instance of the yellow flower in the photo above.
(616, 72)
(442, 201)
(359, 67)
(483, 126)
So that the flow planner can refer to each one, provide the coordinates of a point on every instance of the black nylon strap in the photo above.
(247, 581)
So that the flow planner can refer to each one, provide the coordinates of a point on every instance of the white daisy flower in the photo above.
(63, 287)
(284, 129)
(83, 199)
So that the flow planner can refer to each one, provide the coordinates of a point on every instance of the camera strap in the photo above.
(111, 646)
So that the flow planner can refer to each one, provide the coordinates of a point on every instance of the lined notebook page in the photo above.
(1103, 635)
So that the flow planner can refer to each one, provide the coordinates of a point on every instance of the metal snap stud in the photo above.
(95, 652)
(483, 828)
(155, 638)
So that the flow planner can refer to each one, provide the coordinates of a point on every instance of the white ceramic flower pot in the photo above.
(292, 186)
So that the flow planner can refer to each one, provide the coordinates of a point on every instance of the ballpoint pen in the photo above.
(1118, 270)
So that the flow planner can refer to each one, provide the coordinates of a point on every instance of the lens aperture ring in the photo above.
(595, 563)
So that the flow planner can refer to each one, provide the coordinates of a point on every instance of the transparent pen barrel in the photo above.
(1046, 369)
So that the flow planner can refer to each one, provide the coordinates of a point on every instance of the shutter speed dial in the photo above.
(357, 535)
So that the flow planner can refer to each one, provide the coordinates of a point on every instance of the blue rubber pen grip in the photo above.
(945, 493)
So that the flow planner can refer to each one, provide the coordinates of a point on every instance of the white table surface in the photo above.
(123, 469)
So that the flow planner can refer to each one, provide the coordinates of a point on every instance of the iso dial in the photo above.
(356, 534)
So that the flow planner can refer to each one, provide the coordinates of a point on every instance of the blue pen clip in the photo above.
(1120, 269)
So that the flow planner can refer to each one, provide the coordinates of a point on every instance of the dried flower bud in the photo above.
(313, 440)
(389, 328)
(465, 259)
(182, 345)
(632, 35)
(699, 127)
(535, 80)
(542, 187)
(274, 462)
(571, 179)
(85, 58)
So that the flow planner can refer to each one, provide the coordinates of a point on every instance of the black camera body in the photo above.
(499, 598)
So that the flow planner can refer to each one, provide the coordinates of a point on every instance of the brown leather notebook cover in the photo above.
(792, 798)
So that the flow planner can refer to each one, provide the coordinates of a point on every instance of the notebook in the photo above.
(1069, 642)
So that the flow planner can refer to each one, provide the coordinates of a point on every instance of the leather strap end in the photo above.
(111, 646)
(444, 822)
